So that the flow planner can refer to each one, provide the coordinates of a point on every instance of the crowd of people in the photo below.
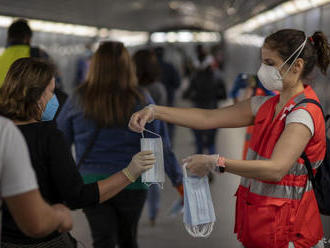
(116, 97)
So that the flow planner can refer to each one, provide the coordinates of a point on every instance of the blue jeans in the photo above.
(153, 201)
(205, 139)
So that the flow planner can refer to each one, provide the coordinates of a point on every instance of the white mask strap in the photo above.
(184, 170)
(300, 49)
(146, 130)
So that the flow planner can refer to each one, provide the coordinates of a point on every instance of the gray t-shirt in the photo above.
(16, 173)
(298, 116)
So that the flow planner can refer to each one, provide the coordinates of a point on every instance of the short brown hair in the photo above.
(22, 89)
(110, 93)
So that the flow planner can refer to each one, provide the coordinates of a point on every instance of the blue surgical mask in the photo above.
(199, 215)
(50, 110)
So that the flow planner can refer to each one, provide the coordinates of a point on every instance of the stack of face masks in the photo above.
(156, 175)
(199, 216)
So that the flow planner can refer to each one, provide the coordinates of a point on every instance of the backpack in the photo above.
(206, 88)
(321, 180)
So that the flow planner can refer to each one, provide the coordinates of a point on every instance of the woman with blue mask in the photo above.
(27, 97)
(276, 205)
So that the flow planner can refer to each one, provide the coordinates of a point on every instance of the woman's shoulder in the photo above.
(146, 99)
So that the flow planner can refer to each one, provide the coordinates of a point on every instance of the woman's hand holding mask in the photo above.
(140, 163)
(201, 164)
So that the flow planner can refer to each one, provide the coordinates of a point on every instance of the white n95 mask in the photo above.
(156, 175)
(198, 215)
(270, 76)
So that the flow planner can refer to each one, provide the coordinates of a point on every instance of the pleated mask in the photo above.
(156, 175)
(198, 217)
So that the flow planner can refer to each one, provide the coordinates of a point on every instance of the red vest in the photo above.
(249, 129)
(271, 214)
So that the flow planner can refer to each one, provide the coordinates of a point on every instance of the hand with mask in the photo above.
(139, 119)
(140, 163)
(201, 164)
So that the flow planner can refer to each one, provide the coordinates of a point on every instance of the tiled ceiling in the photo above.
(143, 15)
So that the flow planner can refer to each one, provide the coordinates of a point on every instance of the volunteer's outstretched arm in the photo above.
(238, 115)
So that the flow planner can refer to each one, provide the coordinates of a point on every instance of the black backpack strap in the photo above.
(304, 156)
(309, 100)
(309, 169)
(89, 147)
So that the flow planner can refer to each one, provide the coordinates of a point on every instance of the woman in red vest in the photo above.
(276, 205)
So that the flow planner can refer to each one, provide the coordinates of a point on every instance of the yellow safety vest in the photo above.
(9, 56)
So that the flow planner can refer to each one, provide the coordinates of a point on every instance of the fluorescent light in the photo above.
(185, 36)
(129, 38)
(158, 37)
(249, 40)
(53, 27)
(171, 37)
(303, 4)
(289, 8)
(281, 11)
(5, 21)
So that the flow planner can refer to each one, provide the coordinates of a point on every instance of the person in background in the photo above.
(19, 188)
(83, 65)
(18, 46)
(27, 97)
(169, 76)
(252, 87)
(101, 106)
(276, 204)
(206, 89)
(148, 73)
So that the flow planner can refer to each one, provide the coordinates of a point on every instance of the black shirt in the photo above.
(58, 178)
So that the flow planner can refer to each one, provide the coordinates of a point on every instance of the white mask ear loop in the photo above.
(150, 132)
(184, 170)
(301, 47)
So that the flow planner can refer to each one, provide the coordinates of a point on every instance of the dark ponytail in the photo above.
(316, 50)
(321, 45)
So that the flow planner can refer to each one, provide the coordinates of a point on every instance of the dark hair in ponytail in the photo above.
(321, 45)
(316, 51)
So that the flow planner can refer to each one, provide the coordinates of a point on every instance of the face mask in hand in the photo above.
(51, 109)
(198, 216)
(270, 76)
(156, 175)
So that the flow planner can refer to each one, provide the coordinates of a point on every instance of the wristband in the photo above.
(221, 165)
(128, 175)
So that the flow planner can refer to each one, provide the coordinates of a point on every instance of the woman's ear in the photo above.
(298, 66)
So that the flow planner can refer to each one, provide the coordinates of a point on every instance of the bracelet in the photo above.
(128, 175)
(221, 164)
(152, 107)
